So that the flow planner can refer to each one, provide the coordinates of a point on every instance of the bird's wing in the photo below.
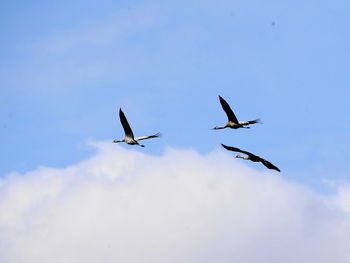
(230, 115)
(250, 122)
(234, 149)
(148, 137)
(269, 165)
(125, 124)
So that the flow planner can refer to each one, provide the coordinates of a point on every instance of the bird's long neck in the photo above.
(219, 127)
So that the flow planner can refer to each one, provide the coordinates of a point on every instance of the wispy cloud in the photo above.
(126, 206)
(89, 50)
(113, 29)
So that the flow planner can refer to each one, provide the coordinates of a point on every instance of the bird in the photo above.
(251, 157)
(232, 122)
(129, 135)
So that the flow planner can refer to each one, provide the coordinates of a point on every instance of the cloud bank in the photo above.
(125, 206)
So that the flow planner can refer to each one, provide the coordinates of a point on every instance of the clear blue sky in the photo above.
(67, 66)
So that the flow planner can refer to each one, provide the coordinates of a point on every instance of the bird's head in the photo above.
(239, 156)
(117, 141)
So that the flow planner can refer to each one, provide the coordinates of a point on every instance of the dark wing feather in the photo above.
(269, 165)
(230, 115)
(234, 149)
(125, 124)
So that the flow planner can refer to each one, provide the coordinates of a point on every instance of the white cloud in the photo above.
(126, 206)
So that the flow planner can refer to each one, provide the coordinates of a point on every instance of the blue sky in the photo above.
(68, 194)
(66, 68)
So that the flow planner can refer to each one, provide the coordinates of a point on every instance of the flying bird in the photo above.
(252, 157)
(129, 135)
(232, 122)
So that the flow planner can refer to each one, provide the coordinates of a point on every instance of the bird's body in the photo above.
(129, 135)
(251, 157)
(232, 122)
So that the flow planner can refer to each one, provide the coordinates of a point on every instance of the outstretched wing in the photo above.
(250, 122)
(125, 124)
(148, 137)
(230, 115)
(234, 149)
(269, 165)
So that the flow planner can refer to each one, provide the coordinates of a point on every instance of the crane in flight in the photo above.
(251, 157)
(129, 135)
(232, 122)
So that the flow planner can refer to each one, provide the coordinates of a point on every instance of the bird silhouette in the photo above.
(251, 157)
(232, 122)
(129, 135)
